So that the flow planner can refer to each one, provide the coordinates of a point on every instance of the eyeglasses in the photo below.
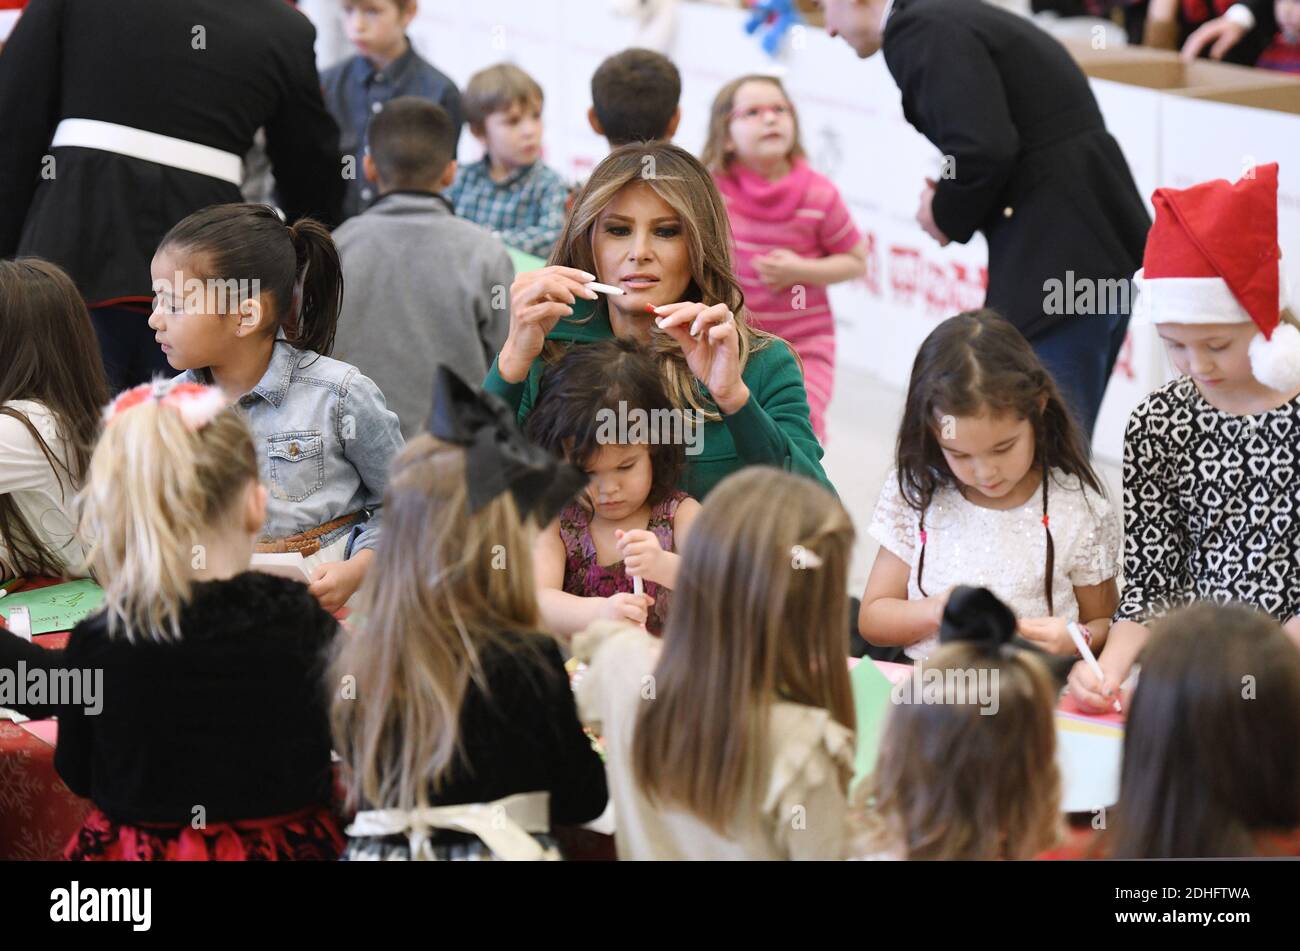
(778, 110)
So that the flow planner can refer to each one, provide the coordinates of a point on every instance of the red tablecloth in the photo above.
(38, 813)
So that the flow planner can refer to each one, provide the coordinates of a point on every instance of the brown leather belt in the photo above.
(307, 543)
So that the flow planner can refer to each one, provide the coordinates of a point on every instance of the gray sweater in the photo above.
(418, 289)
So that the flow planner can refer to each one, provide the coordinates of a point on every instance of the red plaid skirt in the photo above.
(309, 835)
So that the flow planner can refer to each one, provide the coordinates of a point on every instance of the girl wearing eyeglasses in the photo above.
(793, 236)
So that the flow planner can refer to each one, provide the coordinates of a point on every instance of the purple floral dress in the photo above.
(587, 578)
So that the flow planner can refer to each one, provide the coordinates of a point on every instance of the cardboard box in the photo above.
(1279, 92)
(1164, 71)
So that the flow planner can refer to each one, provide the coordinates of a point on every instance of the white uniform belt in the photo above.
(149, 146)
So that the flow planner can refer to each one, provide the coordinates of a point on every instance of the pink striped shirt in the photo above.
(802, 212)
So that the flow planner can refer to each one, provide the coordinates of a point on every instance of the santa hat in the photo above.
(1212, 257)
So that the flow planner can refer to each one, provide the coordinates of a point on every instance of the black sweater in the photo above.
(524, 735)
(232, 717)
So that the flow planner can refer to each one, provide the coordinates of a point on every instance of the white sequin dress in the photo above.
(1003, 550)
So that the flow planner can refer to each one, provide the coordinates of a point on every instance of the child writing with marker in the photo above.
(793, 234)
(325, 437)
(746, 746)
(633, 519)
(973, 777)
(992, 487)
(1209, 456)
(462, 708)
(211, 740)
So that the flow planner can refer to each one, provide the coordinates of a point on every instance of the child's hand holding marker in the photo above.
(711, 343)
(538, 299)
(1093, 687)
(644, 557)
(628, 607)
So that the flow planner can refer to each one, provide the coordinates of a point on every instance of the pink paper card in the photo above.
(45, 730)
(1070, 708)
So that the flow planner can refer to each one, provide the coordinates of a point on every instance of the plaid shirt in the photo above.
(526, 211)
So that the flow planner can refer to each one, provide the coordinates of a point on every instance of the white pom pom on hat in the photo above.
(1212, 257)
(1275, 361)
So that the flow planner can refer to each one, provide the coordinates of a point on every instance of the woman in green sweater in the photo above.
(651, 222)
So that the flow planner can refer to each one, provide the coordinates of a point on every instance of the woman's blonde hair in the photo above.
(953, 781)
(682, 182)
(447, 585)
(758, 617)
(155, 489)
(716, 156)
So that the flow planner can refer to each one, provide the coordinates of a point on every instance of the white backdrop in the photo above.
(854, 132)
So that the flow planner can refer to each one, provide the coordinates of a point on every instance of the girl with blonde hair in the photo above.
(451, 707)
(208, 737)
(732, 738)
(650, 222)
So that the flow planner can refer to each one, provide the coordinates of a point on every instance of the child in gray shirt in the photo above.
(421, 286)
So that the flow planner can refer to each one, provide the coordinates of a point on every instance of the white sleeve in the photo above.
(1241, 15)
(1098, 558)
(23, 465)
(894, 522)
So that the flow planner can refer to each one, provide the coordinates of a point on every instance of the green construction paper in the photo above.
(56, 608)
(871, 701)
(523, 261)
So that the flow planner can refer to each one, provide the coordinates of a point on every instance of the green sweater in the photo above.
(771, 429)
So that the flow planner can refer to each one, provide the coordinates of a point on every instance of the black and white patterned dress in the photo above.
(1211, 506)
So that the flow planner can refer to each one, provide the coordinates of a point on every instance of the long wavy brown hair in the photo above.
(974, 363)
(444, 587)
(49, 357)
(754, 622)
(686, 186)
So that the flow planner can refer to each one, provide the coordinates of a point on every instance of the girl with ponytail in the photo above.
(992, 487)
(967, 762)
(249, 304)
(207, 735)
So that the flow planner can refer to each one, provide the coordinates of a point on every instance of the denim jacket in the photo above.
(325, 440)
